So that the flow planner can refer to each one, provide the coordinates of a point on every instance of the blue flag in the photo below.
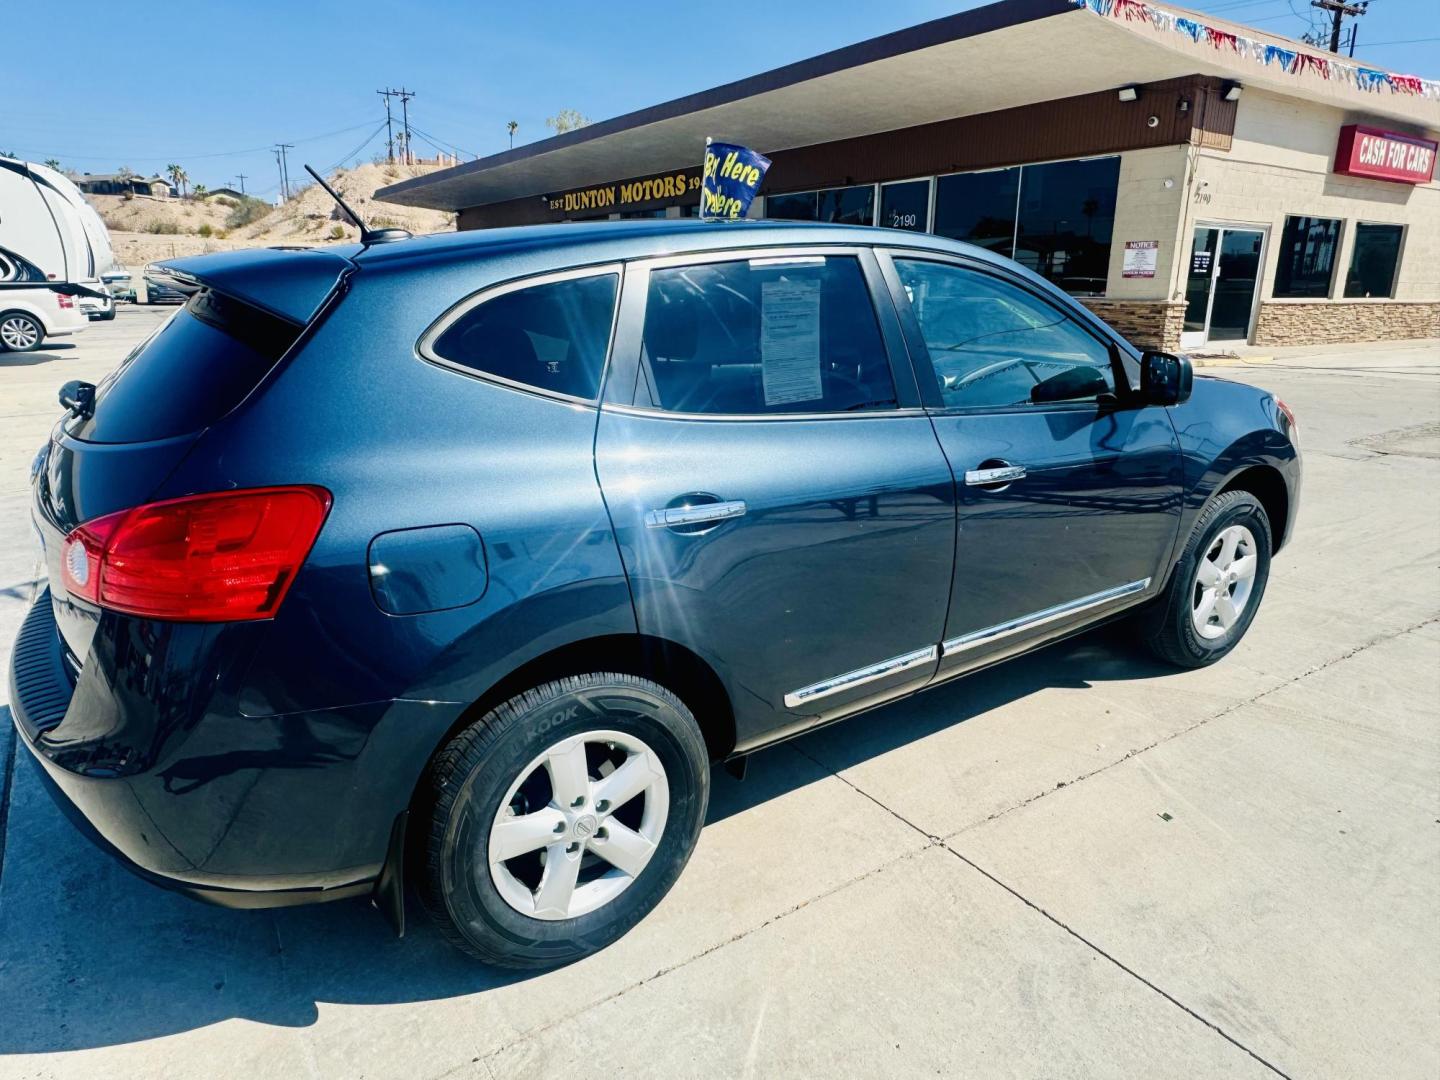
(732, 176)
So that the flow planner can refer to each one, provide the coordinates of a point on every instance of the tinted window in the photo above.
(992, 343)
(1374, 261)
(744, 338)
(1067, 213)
(978, 208)
(1307, 256)
(551, 337)
(198, 366)
(905, 205)
(844, 206)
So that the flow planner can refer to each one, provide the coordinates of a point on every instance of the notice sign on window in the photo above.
(1141, 257)
(790, 341)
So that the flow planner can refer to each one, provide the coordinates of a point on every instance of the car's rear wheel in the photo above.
(20, 332)
(1217, 584)
(560, 819)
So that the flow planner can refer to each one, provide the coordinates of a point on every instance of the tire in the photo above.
(499, 774)
(1172, 627)
(20, 332)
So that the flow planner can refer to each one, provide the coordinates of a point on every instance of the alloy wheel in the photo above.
(578, 825)
(19, 332)
(1224, 581)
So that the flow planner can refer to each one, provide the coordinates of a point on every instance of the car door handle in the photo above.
(999, 474)
(670, 517)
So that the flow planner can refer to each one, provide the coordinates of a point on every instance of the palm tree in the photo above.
(177, 177)
(512, 127)
(199, 191)
(52, 163)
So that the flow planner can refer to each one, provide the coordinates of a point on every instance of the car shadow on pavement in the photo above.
(91, 956)
(28, 359)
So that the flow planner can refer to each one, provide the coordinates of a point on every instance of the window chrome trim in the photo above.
(725, 418)
(424, 348)
(860, 676)
(977, 638)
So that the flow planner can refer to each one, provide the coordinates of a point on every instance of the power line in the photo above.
(206, 157)
(1401, 41)
(433, 140)
(368, 140)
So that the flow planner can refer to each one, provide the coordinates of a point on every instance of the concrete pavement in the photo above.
(1076, 864)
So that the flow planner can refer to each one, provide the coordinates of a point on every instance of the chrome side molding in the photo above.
(977, 638)
(694, 515)
(861, 676)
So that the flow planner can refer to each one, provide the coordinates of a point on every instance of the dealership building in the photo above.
(1195, 182)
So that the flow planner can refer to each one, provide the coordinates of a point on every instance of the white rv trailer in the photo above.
(45, 219)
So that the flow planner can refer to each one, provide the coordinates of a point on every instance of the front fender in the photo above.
(1223, 430)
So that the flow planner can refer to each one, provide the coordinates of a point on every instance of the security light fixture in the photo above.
(1232, 91)
(1128, 93)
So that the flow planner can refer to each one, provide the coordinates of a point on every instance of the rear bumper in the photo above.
(193, 796)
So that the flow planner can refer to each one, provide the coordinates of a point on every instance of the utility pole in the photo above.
(242, 182)
(389, 131)
(1338, 10)
(280, 159)
(405, 96)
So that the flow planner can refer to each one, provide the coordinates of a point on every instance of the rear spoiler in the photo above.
(69, 288)
(292, 285)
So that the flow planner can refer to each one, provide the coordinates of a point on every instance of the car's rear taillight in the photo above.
(66, 302)
(205, 558)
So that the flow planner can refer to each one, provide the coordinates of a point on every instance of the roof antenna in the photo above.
(367, 234)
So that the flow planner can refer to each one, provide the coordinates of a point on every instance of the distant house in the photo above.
(115, 184)
(228, 192)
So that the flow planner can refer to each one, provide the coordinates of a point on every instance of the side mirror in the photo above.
(1071, 384)
(1165, 379)
(79, 398)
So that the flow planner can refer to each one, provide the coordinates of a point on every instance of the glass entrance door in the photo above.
(1221, 285)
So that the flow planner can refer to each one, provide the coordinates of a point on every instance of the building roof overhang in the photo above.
(1001, 56)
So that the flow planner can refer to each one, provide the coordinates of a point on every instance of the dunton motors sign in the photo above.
(1377, 154)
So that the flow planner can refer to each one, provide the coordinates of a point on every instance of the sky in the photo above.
(212, 86)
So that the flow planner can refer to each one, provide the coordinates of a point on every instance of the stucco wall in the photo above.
(1145, 209)
(1281, 162)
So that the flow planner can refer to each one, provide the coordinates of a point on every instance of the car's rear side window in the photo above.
(765, 336)
(198, 366)
(551, 336)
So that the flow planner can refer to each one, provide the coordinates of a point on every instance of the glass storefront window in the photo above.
(1067, 215)
(1374, 261)
(841, 206)
(978, 208)
(905, 205)
(1307, 257)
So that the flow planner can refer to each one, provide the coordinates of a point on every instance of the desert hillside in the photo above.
(145, 228)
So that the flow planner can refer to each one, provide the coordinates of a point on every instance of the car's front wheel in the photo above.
(561, 818)
(1217, 585)
(20, 332)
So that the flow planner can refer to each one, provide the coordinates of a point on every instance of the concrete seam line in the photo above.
(1379, 639)
(1129, 971)
(668, 969)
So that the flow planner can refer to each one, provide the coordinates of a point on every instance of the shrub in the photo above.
(248, 210)
(163, 228)
(337, 232)
(383, 222)
(206, 231)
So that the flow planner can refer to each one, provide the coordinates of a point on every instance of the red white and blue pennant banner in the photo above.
(1290, 60)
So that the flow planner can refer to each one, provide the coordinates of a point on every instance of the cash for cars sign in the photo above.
(1377, 154)
(729, 180)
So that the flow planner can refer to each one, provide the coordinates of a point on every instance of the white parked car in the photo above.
(31, 308)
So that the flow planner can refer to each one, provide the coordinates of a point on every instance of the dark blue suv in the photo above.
(457, 561)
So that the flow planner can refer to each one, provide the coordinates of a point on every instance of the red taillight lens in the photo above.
(204, 558)
(66, 302)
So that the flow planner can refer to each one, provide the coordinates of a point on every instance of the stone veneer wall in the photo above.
(1335, 321)
(1146, 324)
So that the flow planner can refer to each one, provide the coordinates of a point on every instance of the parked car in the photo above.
(119, 284)
(98, 307)
(162, 288)
(31, 307)
(461, 564)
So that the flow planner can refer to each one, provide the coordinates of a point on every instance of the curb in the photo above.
(1230, 361)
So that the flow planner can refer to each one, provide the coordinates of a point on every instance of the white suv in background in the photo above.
(30, 307)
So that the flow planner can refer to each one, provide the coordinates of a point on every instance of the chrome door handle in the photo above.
(1002, 474)
(694, 515)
